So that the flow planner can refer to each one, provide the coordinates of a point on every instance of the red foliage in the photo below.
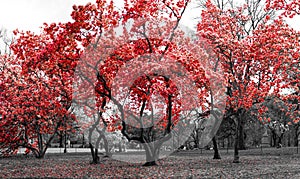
(255, 65)
(290, 7)
(146, 74)
(37, 88)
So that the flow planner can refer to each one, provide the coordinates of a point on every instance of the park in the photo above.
(153, 89)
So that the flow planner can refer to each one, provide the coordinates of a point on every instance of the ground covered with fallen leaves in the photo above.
(269, 163)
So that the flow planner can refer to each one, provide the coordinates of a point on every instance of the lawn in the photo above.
(271, 163)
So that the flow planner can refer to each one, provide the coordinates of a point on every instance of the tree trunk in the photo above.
(40, 153)
(296, 142)
(216, 151)
(61, 140)
(197, 140)
(279, 144)
(106, 147)
(239, 119)
(65, 141)
(95, 156)
(274, 139)
(241, 143)
(236, 148)
(36, 153)
(152, 154)
(289, 139)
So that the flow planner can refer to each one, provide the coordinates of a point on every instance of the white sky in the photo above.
(31, 14)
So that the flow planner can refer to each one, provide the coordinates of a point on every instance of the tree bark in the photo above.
(40, 152)
(106, 147)
(216, 151)
(152, 154)
(241, 144)
(279, 143)
(95, 157)
(296, 134)
(236, 148)
(61, 139)
(237, 137)
(274, 137)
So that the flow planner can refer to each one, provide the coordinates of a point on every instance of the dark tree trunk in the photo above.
(274, 139)
(61, 140)
(40, 152)
(95, 157)
(216, 151)
(289, 140)
(196, 139)
(279, 144)
(296, 142)
(239, 118)
(236, 145)
(197, 143)
(65, 141)
(241, 143)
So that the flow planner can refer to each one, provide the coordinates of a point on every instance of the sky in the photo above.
(31, 14)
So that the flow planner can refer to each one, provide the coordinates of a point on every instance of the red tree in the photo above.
(290, 7)
(254, 62)
(30, 114)
(38, 88)
(147, 79)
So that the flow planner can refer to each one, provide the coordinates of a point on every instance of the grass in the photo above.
(269, 163)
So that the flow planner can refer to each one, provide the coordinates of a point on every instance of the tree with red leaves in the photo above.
(38, 89)
(149, 78)
(290, 7)
(30, 114)
(255, 52)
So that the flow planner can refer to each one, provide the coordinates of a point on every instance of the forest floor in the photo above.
(254, 163)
